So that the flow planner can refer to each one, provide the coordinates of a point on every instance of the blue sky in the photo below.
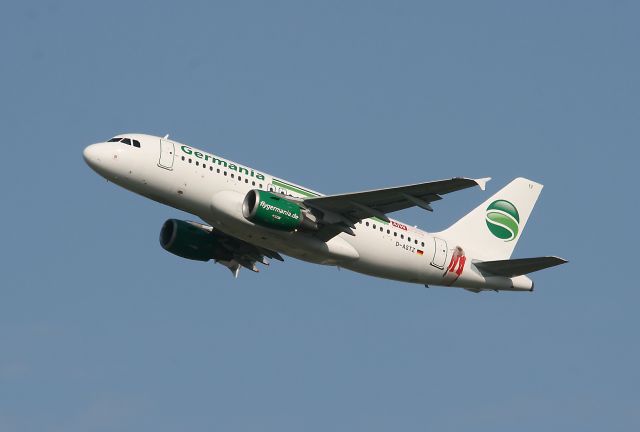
(102, 330)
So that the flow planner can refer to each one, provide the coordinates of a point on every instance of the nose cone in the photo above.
(94, 156)
(89, 154)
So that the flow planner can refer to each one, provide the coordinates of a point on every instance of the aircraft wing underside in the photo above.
(236, 253)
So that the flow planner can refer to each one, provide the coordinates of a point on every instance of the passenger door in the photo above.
(166, 154)
(439, 253)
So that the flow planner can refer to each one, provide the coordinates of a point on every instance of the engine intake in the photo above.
(189, 241)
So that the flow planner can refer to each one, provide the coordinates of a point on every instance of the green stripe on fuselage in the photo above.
(293, 188)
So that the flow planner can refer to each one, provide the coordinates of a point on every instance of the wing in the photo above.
(340, 212)
(234, 253)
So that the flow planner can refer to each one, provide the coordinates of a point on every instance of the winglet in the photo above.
(482, 182)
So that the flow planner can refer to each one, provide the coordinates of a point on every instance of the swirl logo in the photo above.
(503, 219)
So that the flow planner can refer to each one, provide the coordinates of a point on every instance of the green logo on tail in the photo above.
(503, 219)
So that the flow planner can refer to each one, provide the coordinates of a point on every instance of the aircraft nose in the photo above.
(88, 152)
(91, 155)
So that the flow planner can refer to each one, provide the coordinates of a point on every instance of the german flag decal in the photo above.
(419, 252)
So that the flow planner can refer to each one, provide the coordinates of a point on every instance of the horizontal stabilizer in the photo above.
(518, 267)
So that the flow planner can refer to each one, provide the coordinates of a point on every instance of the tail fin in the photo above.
(492, 229)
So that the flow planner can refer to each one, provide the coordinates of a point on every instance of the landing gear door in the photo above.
(166, 154)
(439, 253)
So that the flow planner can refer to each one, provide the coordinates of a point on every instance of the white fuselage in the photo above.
(214, 188)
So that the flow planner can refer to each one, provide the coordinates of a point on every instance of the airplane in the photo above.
(251, 216)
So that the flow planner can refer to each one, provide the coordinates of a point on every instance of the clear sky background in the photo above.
(102, 330)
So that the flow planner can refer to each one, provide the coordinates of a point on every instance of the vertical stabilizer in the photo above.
(493, 228)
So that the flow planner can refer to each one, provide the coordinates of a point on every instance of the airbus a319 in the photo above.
(250, 217)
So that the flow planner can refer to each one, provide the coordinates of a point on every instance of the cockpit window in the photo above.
(126, 141)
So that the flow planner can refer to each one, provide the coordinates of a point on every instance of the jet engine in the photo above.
(191, 240)
(274, 211)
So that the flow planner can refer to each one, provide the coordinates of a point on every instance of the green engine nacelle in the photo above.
(273, 211)
(188, 240)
